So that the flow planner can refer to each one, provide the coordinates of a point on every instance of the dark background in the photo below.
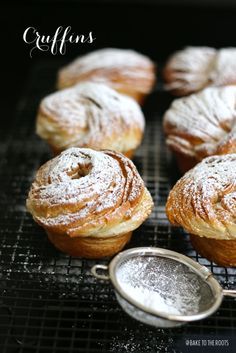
(155, 28)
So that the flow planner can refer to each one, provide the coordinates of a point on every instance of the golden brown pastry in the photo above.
(89, 202)
(126, 71)
(202, 125)
(193, 68)
(203, 202)
(90, 115)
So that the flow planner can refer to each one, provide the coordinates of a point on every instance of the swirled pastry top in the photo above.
(204, 123)
(114, 67)
(90, 115)
(203, 201)
(194, 68)
(83, 192)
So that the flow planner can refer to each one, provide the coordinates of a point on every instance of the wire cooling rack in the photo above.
(49, 302)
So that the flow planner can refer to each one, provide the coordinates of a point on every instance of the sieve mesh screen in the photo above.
(164, 285)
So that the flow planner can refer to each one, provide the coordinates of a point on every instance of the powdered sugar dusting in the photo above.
(162, 285)
(81, 187)
(207, 194)
(204, 123)
(224, 70)
(90, 115)
(109, 57)
(194, 68)
(129, 64)
(140, 340)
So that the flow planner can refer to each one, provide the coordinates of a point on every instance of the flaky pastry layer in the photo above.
(86, 193)
(90, 115)
(126, 71)
(203, 124)
(193, 68)
(203, 201)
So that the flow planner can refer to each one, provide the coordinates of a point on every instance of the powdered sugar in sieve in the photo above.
(161, 287)
(164, 285)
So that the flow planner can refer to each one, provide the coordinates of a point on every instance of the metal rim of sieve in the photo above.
(200, 270)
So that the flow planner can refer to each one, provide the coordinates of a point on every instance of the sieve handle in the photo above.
(229, 292)
(97, 275)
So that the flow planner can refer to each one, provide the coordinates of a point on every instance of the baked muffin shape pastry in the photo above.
(89, 202)
(203, 202)
(90, 115)
(126, 71)
(201, 125)
(194, 68)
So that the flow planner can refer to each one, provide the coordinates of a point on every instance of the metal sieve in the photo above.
(162, 288)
